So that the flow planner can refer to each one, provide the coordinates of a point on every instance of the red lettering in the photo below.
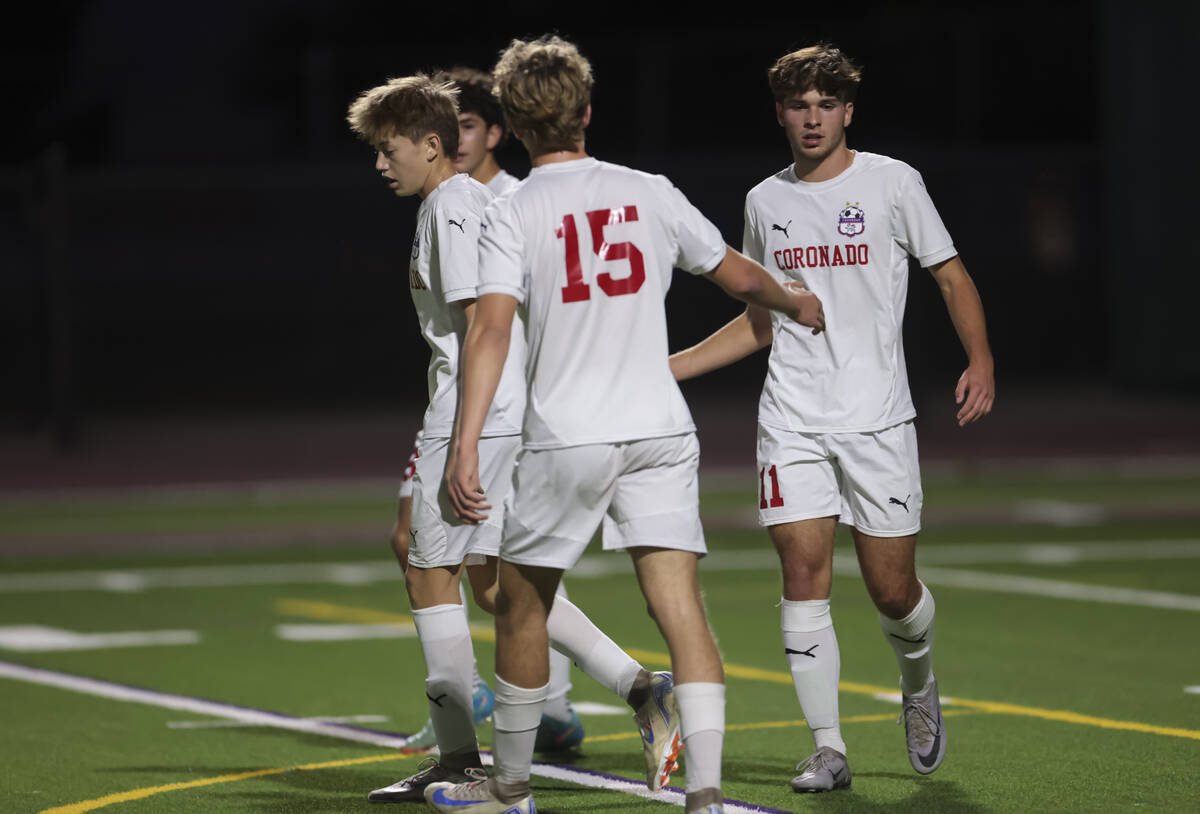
(837, 257)
(862, 254)
(810, 254)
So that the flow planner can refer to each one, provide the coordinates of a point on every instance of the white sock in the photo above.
(702, 728)
(475, 679)
(516, 717)
(812, 654)
(557, 705)
(573, 634)
(446, 644)
(912, 639)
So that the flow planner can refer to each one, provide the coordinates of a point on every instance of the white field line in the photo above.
(344, 633)
(120, 692)
(930, 557)
(199, 706)
(1192, 690)
(337, 719)
(41, 639)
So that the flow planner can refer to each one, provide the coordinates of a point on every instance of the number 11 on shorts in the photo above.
(776, 498)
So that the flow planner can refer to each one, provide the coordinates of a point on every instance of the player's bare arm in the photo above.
(732, 342)
(484, 351)
(745, 280)
(976, 388)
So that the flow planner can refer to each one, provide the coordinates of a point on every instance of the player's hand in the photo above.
(806, 307)
(462, 484)
(975, 392)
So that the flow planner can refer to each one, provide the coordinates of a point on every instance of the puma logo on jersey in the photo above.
(414, 280)
(775, 227)
(898, 502)
(458, 223)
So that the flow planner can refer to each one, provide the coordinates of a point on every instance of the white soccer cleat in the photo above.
(657, 720)
(477, 797)
(824, 770)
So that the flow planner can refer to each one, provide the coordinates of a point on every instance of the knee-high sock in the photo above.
(517, 715)
(702, 728)
(560, 676)
(812, 653)
(912, 640)
(573, 634)
(446, 644)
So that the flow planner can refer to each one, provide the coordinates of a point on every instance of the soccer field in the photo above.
(277, 678)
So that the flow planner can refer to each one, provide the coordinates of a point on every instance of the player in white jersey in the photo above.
(480, 132)
(413, 124)
(585, 250)
(835, 435)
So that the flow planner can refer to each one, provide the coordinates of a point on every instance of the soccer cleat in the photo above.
(554, 735)
(476, 797)
(924, 728)
(482, 703)
(412, 789)
(657, 720)
(483, 700)
(824, 770)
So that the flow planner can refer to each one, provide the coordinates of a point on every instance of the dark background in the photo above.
(188, 227)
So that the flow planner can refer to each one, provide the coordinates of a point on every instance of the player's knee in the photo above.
(894, 601)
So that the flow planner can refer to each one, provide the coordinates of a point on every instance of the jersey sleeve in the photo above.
(752, 242)
(700, 248)
(501, 252)
(916, 224)
(456, 228)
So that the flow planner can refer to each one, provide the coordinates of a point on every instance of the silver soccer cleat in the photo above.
(924, 728)
(824, 770)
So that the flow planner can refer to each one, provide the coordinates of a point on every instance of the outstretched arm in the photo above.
(484, 351)
(976, 389)
(740, 337)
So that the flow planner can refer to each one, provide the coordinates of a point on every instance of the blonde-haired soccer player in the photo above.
(835, 421)
(585, 250)
(413, 124)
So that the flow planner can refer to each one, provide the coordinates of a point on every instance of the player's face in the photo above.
(404, 164)
(475, 140)
(815, 123)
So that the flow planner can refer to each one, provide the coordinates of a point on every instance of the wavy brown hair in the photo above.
(411, 106)
(820, 66)
(544, 87)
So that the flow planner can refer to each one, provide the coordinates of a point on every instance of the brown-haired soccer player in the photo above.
(835, 423)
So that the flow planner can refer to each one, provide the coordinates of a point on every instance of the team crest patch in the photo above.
(416, 249)
(851, 220)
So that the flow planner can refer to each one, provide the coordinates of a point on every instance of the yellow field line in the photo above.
(323, 610)
(150, 791)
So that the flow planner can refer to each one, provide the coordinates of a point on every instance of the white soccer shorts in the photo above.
(438, 537)
(647, 489)
(870, 480)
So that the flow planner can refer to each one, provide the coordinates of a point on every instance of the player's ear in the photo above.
(848, 115)
(494, 133)
(433, 146)
(779, 113)
(587, 116)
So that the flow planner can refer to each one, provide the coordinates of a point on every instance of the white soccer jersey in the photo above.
(444, 269)
(847, 240)
(588, 248)
(502, 182)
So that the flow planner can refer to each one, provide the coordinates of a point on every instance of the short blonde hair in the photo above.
(822, 67)
(544, 87)
(411, 106)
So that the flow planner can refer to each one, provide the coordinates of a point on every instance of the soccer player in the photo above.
(835, 421)
(412, 122)
(585, 250)
(480, 132)
(480, 128)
